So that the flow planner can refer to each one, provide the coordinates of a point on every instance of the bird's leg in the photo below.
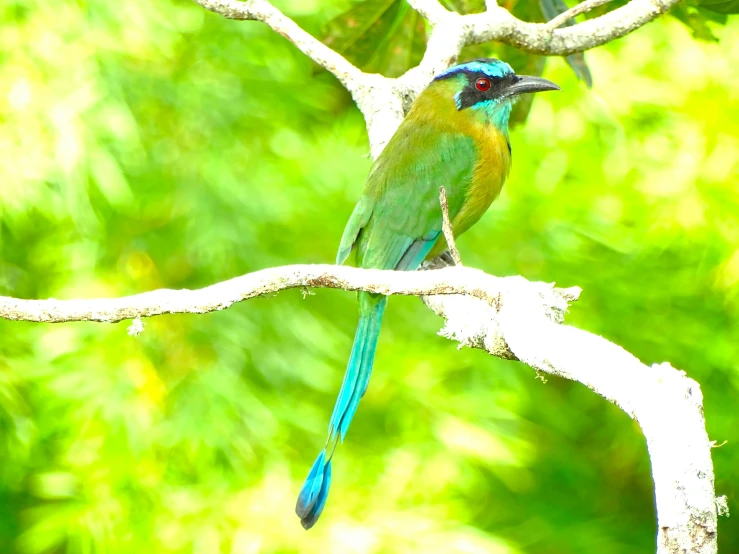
(447, 227)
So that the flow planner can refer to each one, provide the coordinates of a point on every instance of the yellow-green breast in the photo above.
(493, 154)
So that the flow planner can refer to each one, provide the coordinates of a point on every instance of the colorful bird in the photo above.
(456, 136)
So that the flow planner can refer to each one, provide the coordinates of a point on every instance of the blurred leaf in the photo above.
(580, 67)
(713, 16)
(696, 21)
(407, 47)
(725, 7)
(465, 6)
(383, 36)
(345, 30)
(551, 9)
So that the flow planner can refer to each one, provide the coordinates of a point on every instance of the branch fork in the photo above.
(450, 33)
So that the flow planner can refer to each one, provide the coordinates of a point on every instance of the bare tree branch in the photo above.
(451, 32)
(667, 405)
(498, 24)
(581, 8)
(222, 295)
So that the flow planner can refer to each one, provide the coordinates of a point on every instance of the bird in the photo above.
(456, 136)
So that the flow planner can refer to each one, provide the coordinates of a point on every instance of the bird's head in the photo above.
(490, 87)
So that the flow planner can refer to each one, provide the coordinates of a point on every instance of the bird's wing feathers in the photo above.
(398, 219)
(359, 218)
(415, 254)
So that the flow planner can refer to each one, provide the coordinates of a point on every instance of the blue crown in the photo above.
(488, 66)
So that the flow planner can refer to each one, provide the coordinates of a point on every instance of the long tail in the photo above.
(313, 495)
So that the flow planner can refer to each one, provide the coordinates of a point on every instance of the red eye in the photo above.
(482, 84)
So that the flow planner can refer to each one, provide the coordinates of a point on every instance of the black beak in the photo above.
(524, 84)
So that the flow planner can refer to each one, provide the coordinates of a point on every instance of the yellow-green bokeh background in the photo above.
(153, 144)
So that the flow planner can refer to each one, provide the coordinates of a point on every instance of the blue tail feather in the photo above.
(359, 368)
(350, 377)
(371, 309)
(308, 520)
(312, 487)
(312, 498)
(370, 337)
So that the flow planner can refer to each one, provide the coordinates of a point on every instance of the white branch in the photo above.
(220, 296)
(667, 405)
(538, 38)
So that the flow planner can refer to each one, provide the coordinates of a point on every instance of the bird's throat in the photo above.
(495, 113)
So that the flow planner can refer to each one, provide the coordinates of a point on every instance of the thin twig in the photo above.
(447, 228)
(581, 8)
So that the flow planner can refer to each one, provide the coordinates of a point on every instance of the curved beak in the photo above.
(525, 83)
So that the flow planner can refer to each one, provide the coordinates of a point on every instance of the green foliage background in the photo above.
(153, 144)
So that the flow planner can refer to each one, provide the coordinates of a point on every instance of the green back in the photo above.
(398, 218)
